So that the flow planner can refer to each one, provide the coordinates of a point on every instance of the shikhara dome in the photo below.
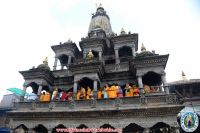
(100, 20)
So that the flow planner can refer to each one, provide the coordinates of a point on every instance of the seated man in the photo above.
(146, 88)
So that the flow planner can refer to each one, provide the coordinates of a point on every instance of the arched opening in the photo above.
(95, 53)
(106, 127)
(33, 91)
(83, 127)
(85, 82)
(21, 129)
(40, 129)
(133, 128)
(160, 127)
(60, 126)
(124, 53)
(152, 82)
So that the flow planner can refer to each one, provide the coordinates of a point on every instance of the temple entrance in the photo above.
(133, 128)
(160, 127)
(95, 53)
(107, 126)
(57, 127)
(82, 126)
(125, 52)
(40, 129)
(153, 81)
(34, 87)
(21, 129)
(63, 59)
(86, 82)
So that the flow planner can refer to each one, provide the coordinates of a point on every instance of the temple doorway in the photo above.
(40, 129)
(57, 127)
(160, 127)
(82, 126)
(106, 126)
(21, 129)
(133, 128)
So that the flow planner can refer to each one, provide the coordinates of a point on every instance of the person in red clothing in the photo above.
(63, 95)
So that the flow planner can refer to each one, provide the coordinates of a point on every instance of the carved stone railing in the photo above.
(104, 104)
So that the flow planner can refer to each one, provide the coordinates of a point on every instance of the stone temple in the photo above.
(104, 58)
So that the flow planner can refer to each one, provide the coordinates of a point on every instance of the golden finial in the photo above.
(45, 61)
(143, 48)
(184, 76)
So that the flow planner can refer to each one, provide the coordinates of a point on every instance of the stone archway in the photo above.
(40, 129)
(106, 126)
(133, 128)
(57, 127)
(21, 129)
(160, 127)
(82, 126)
(124, 53)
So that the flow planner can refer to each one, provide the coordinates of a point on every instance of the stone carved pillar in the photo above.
(55, 63)
(117, 61)
(146, 130)
(133, 51)
(95, 89)
(75, 89)
(163, 76)
(69, 60)
(139, 79)
(39, 90)
(84, 54)
(100, 55)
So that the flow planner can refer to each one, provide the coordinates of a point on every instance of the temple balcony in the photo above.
(145, 101)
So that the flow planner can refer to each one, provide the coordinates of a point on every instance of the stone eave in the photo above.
(66, 46)
(37, 73)
(126, 38)
(131, 111)
(150, 61)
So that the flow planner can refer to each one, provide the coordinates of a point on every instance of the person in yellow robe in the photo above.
(107, 89)
(127, 90)
(83, 93)
(99, 94)
(47, 97)
(88, 93)
(78, 95)
(42, 96)
(113, 91)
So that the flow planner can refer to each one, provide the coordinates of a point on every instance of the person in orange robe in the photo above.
(83, 93)
(107, 88)
(113, 91)
(47, 97)
(42, 96)
(99, 94)
(88, 93)
(78, 94)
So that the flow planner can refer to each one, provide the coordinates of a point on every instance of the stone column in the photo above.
(146, 130)
(117, 61)
(39, 90)
(55, 63)
(163, 76)
(69, 60)
(84, 54)
(133, 51)
(75, 89)
(24, 92)
(100, 55)
(140, 84)
(95, 89)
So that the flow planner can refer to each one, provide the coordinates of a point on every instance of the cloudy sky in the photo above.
(29, 27)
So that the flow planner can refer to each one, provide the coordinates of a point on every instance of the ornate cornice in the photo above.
(158, 60)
